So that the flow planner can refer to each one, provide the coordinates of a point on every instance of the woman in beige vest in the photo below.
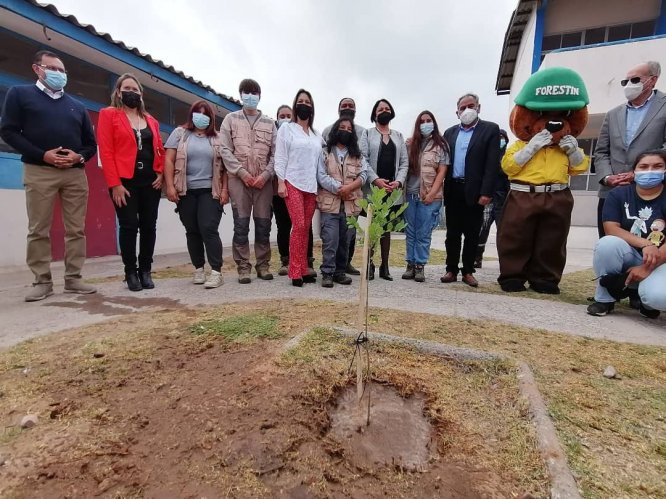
(428, 161)
(340, 179)
(197, 182)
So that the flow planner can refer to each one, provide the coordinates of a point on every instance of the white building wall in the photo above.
(523, 68)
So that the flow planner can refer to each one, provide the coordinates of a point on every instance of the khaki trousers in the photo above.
(247, 202)
(43, 184)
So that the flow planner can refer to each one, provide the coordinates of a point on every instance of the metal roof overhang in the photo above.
(512, 40)
(65, 34)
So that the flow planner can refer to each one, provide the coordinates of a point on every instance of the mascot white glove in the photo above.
(536, 143)
(569, 145)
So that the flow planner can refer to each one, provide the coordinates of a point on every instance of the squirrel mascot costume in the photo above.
(550, 112)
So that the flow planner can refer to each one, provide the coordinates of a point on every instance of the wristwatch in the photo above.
(603, 180)
(82, 160)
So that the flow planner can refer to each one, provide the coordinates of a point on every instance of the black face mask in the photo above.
(348, 113)
(303, 111)
(384, 118)
(344, 137)
(131, 99)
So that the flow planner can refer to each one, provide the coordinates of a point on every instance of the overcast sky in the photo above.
(417, 54)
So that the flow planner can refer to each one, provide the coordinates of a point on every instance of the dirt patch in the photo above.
(398, 434)
(110, 306)
(171, 411)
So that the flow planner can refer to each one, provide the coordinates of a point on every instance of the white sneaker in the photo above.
(215, 280)
(199, 276)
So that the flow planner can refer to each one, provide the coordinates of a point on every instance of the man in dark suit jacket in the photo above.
(469, 185)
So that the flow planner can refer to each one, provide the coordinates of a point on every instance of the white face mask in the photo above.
(633, 90)
(468, 116)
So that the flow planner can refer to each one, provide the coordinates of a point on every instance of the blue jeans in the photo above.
(613, 255)
(421, 220)
(335, 237)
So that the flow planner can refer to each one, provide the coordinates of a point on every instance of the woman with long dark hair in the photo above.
(386, 153)
(428, 161)
(298, 153)
(197, 182)
(340, 178)
(631, 258)
(132, 156)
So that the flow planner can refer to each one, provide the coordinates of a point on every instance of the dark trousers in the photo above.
(461, 220)
(600, 224)
(200, 214)
(283, 223)
(138, 216)
(532, 245)
(335, 243)
(491, 213)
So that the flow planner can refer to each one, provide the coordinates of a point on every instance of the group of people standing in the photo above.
(284, 167)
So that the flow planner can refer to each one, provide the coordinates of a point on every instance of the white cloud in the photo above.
(419, 55)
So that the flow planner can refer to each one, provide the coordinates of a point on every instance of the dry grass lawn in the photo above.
(614, 431)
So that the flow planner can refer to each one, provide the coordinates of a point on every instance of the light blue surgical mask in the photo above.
(427, 128)
(282, 121)
(648, 180)
(55, 80)
(502, 143)
(250, 101)
(200, 120)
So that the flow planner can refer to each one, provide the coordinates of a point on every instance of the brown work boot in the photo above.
(419, 273)
(409, 271)
(39, 291)
(284, 269)
(78, 286)
(244, 277)
(264, 274)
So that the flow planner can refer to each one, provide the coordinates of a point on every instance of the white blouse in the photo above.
(297, 156)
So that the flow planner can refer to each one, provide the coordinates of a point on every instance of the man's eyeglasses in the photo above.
(52, 68)
(634, 81)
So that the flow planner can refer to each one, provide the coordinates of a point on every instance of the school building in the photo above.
(94, 61)
(601, 40)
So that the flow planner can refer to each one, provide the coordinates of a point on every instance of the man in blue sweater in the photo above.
(54, 135)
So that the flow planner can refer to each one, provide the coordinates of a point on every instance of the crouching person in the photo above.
(340, 178)
(631, 258)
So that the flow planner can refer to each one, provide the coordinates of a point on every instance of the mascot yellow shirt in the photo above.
(549, 165)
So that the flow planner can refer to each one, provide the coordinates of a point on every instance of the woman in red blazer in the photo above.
(132, 156)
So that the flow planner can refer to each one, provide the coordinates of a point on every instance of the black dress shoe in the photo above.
(351, 270)
(297, 282)
(309, 278)
(146, 279)
(133, 282)
(384, 273)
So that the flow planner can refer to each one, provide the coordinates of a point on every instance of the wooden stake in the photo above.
(363, 304)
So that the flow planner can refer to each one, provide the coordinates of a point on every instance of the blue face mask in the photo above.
(427, 128)
(200, 120)
(55, 80)
(282, 121)
(648, 180)
(250, 101)
(502, 143)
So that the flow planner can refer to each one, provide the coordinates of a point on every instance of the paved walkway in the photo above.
(22, 320)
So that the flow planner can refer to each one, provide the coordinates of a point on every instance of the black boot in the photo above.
(133, 282)
(409, 271)
(384, 272)
(371, 271)
(146, 279)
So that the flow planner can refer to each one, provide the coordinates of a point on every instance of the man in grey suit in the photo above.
(629, 129)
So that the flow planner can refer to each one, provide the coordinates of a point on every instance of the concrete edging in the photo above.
(562, 482)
